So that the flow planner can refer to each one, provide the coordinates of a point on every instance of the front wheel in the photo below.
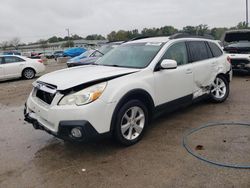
(219, 90)
(131, 122)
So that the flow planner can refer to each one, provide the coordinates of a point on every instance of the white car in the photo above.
(120, 93)
(14, 66)
(237, 45)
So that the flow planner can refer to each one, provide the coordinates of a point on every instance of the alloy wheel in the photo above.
(29, 74)
(219, 88)
(132, 123)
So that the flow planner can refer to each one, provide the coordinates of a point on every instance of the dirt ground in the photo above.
(31, 158)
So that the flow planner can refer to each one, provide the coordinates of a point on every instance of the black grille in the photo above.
(45, 96)
(239, 61)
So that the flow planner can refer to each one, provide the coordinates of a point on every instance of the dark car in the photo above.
(12, 53)
(91, 56)
(58, 54)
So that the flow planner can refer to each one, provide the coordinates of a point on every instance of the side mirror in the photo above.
(168, 64)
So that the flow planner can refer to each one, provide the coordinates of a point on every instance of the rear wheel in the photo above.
(29, 73)
(131, 123)
(219, 90)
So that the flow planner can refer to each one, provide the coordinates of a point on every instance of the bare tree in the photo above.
(4, 45)
(15, 42)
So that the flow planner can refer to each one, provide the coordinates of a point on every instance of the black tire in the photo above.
(120, 117)
(28, 73)
(223, 97)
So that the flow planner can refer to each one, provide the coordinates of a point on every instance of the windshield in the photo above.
(105, 49)
(235, 37)
(134, 55)
(86, 54)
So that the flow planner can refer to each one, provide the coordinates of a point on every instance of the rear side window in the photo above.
(1, 60)
(215, 49)
(198, 51)
(12, 59)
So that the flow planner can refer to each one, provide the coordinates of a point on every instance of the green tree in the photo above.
(149, 32)
(53, 39)
(95, 37)
(242, 25)
(167, 31)
(190, 30)
(68, 44)
(202, 30)
(76, 37)
(217, 33)
(112, 36)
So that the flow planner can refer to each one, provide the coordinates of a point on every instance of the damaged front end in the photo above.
(237, 45)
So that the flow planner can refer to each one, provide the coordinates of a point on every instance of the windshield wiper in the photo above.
(100, 52)
(108, 65)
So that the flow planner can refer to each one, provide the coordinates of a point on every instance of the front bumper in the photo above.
(240, 64)
(93, 119)
(64, 130)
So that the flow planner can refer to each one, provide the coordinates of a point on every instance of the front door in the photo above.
(172, 84)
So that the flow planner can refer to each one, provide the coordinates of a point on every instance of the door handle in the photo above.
(189, 71)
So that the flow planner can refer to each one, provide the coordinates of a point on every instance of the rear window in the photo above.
(215, 49)
(198, 51)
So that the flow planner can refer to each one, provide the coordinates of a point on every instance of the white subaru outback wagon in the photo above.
(123, 90)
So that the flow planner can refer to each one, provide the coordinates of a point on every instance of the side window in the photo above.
(177, 52)
(1, 60)
(215, 49)
(198, 51)
(12, 59)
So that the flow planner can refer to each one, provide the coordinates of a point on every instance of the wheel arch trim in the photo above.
(133, 94)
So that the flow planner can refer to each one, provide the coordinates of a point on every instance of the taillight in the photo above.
(40, 61)
(228, 59)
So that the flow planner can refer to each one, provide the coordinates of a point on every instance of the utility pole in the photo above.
(246, 13)
(68, 35)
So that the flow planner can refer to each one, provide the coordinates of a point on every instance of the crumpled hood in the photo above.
(71, 77)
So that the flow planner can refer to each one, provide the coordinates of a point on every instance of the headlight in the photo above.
(84, 96)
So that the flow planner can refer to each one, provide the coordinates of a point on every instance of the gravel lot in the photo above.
(30, 158)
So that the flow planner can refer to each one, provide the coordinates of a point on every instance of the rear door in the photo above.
(13, 66)
(1, 68)
(203, 64)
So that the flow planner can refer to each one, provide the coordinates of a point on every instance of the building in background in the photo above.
(57, 46)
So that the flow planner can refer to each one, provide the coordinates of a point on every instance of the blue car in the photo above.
(11, 53)
(91, 56)
(80, 57)
(73, 52)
